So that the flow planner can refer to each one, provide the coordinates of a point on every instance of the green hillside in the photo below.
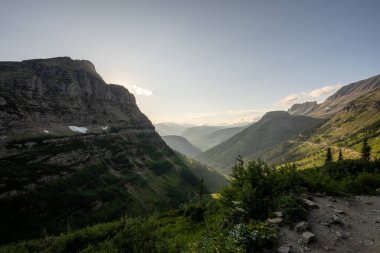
(345, 131)
(272, 129)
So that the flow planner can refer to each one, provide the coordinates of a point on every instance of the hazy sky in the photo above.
(206, 61)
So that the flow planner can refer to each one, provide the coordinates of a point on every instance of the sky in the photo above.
(204, 61)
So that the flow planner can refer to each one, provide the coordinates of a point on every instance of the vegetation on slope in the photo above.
(235, 222)
(345, 131)
(272, 129)
(81, 181)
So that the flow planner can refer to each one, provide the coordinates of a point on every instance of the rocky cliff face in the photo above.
(50, 94)
(303, 109)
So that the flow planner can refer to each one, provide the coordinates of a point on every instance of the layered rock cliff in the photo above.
(48, 94)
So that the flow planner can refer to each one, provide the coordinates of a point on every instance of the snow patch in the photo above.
(105, 128)
(82, 130)
(46, 131)
(327, 108)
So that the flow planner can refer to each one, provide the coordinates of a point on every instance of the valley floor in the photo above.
(342, 225)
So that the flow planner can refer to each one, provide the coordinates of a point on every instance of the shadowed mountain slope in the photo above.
(181, 145)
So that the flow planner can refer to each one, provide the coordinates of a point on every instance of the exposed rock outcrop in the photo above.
(303, 109)
(50, 93)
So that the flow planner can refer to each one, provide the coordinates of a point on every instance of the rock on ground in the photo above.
(342, 225)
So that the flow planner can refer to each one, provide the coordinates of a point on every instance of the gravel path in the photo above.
(342, 225)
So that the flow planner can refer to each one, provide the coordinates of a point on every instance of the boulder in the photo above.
(308, 237)
(283, 249)
(339, 211)
(279, 214)
(310, 204)
(336, 220)
(302, 227)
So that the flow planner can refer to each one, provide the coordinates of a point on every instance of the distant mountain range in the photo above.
(181, 145)
(201, 137)
(171, 128)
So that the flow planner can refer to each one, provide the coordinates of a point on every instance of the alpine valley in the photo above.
(82, 169)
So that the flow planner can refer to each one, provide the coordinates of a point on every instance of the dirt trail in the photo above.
(342, 225)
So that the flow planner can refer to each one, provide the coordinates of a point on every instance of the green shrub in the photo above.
(255, 187)
(253, 237)
(195, 212)
(292, 208)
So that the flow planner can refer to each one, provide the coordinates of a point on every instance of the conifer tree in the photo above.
(328, 156)
(340, 157)
(366, 150)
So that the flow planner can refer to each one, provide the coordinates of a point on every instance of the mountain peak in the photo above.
(275, 114)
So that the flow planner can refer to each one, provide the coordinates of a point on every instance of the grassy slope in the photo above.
(345, 130)
(232, 223)
(272, 129)
(171, 231)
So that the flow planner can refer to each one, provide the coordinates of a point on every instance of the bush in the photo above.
(242, 237)
(292, 208)
(195, 212)
(362, 183)
(255, 187)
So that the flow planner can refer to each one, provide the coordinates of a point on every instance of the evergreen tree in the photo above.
(328, 156)
(366, 149)
(340, 157)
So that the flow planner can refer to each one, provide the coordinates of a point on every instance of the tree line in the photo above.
(365, 153)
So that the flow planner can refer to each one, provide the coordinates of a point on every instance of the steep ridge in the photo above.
(272, 129)
(346, 130)
(338, 100)
(182, 145)
(76, 151)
